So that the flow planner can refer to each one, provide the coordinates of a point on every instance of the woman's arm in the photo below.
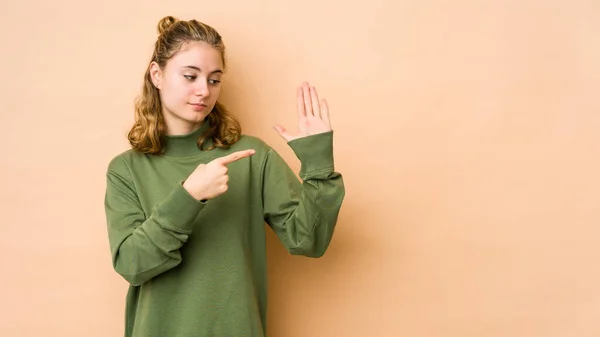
(143, 247)
(303, 214)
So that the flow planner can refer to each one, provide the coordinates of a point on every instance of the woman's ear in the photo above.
(155, 74)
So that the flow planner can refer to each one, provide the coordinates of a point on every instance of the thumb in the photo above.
(283, 132)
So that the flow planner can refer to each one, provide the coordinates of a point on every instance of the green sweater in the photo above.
(199, 268)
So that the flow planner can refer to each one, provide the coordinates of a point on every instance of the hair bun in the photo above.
(165, 23)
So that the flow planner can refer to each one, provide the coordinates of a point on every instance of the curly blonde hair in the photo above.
(148, 131)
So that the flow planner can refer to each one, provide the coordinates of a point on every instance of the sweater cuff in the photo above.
(180, 209)
(314, 152)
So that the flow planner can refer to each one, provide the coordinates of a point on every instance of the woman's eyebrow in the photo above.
(200, 70)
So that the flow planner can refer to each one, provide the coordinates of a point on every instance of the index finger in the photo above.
(230, 158)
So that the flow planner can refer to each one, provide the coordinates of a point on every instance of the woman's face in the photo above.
(189, 86)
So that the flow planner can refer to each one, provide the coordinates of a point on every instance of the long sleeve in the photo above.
(304, 213)
(144, 246)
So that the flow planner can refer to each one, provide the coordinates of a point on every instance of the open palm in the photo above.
(313, 115)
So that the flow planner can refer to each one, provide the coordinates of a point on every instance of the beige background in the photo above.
(467, 132)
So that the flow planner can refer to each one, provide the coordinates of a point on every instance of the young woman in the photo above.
(186, 207)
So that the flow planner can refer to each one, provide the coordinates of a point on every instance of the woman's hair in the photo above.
(148, 131)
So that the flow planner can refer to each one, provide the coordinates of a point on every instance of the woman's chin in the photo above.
(195, 118)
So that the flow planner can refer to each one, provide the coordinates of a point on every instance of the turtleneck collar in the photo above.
(186, 145)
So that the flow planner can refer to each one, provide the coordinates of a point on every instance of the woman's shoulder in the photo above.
(247, 141)
(121, 163)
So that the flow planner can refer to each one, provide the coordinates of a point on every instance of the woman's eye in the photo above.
(214, 81)
(190, 77)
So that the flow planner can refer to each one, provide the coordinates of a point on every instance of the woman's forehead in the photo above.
(198, 55)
